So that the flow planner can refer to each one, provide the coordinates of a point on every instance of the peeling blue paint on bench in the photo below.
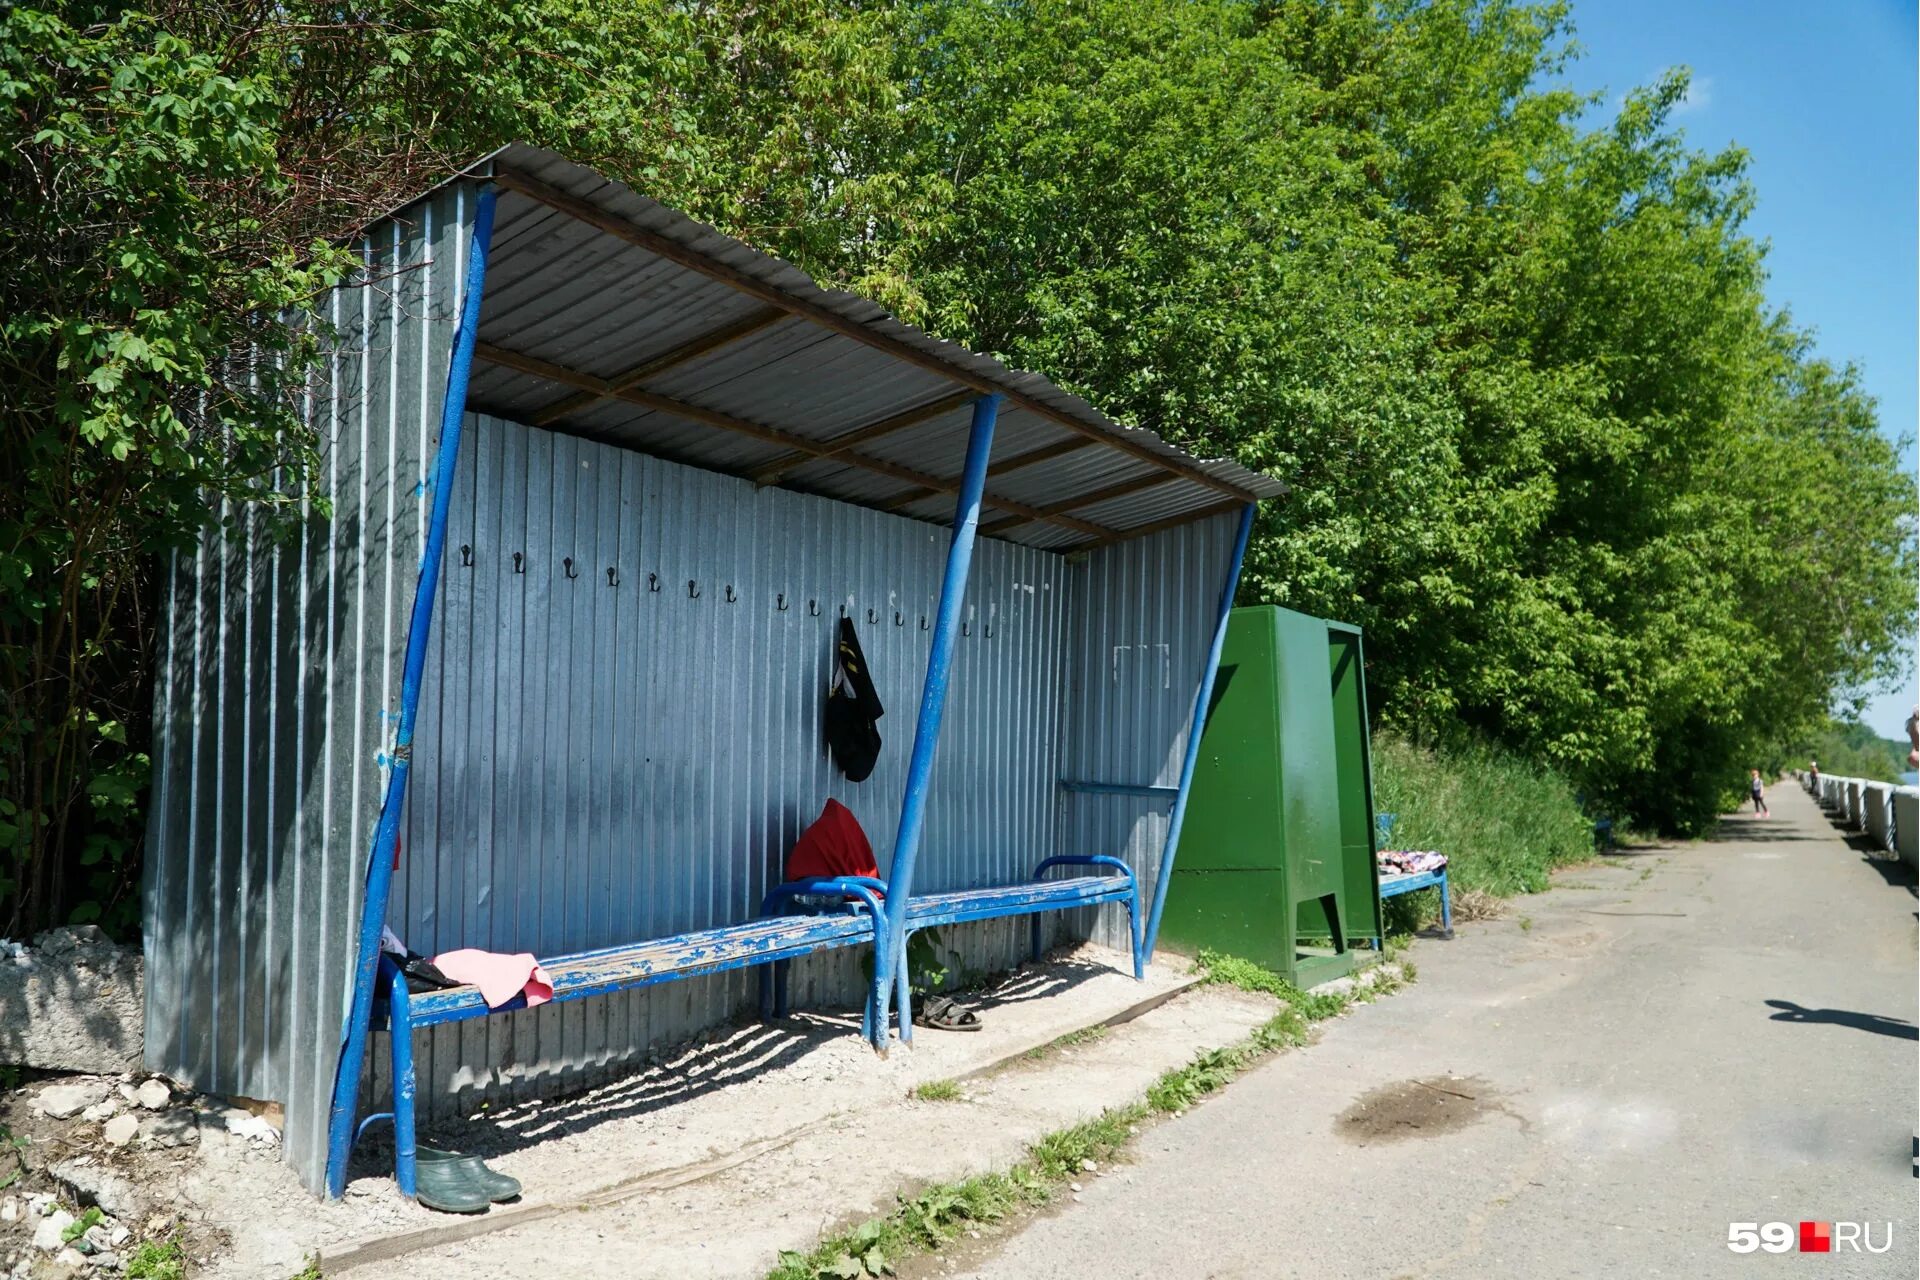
(850, 915)
(846, 911)
(1015, 900)
(686, 955)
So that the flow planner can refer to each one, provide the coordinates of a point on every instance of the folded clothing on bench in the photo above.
(499, 977)
(1404, 862)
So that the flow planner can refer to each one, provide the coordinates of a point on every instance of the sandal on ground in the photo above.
(944, 1013)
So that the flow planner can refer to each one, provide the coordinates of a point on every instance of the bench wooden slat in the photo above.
(927, 910)
(592, 973)
(1408, 881)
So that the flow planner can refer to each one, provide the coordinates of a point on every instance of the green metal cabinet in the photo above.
(1276, 858)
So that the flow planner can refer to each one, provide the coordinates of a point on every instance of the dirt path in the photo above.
(1598, 1085)
(714, 1185)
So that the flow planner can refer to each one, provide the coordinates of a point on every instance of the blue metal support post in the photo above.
(1201, 702)
(400, 1034)
(373, 908)
(933, 701)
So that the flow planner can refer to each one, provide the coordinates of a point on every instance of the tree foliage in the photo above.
(142, 381)
(1592, 498)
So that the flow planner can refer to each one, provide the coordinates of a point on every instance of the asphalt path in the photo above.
(1602, 1083)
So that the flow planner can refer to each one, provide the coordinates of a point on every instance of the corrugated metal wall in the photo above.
(276, 698)
(603, 759)
(595, 761)
(1142, 618)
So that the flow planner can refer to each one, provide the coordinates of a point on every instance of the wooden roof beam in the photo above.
(1045, 453)
(839, 444)
(551, 372)
(685, 353)
(1120, 490)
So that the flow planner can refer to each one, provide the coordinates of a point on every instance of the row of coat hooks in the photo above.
(781, 603)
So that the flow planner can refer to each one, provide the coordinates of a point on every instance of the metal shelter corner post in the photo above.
(373, 909)
(933, 700)
(1203, 698)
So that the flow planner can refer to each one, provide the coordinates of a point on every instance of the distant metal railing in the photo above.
(1889, 814)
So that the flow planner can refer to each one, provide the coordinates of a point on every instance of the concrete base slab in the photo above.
(754, 1139)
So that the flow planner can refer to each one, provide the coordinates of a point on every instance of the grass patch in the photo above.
(157, 1260)
(927, 1221)
(938, 1091)
(12, 1153)
(1503, 822)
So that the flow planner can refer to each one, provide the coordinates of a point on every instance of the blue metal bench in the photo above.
(835, 912)
(854, 917)
(927, 911)
(1395, 885)
(1392, 886)
(1030, 899)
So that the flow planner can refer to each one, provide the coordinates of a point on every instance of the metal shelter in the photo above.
(602, 479)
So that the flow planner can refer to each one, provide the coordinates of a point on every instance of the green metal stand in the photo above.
(1276, 862)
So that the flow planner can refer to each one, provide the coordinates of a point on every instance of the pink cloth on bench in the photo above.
(499, 977)
(1406, 862)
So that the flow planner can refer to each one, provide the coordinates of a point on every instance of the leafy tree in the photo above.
(1540, 424)
(140, 396)
(1592, 499)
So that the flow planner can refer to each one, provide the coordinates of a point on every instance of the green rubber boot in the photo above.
(448, 1186)
(495, 1186)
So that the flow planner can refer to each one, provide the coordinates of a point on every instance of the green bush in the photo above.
(1502, 822)
(145, 390)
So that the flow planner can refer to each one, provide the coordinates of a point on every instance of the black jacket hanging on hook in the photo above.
(853, 707)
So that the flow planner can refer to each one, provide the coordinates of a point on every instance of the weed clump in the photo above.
(1503, 822)
(939, 1091)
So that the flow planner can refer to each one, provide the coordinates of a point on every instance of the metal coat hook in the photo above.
(730, 596)
(653, 582)
(693, 589)
(519, 562)
(780, 602)
(966, 628)
(613, 577)
(568, 565)
(872, 617)
(923, 622)
(843, 611)
(813, 608)
(466, 556)
(898, 620)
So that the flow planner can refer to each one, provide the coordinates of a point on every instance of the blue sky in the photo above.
(1823, 96)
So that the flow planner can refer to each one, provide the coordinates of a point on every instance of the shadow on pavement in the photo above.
(1893, 871)
(1760, 833)
(1873, 1022)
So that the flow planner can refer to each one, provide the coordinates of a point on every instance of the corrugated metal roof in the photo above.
(610, 316)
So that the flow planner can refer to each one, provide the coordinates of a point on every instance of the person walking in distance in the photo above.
(1758, 790)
